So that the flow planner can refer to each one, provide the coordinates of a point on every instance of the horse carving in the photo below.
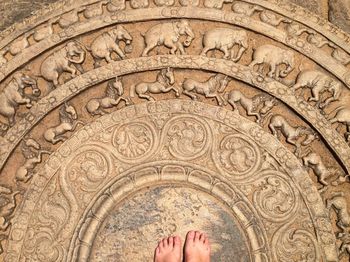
(113, 97)
(292, 134)
(163, 84)
(251, 105)
(33, 154)
(13, 95)
(210, 88)
(339, 203)
(69, 122)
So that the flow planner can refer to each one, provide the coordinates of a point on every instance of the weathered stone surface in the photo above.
(12, 11)
(339, 13)
(122, 122)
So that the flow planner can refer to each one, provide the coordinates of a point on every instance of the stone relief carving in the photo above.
(32, 153)
(315, 162)
(163, 84)
(339, 204)
(218, 4)
(62, 61)
(68, 122)
(14, 95)
(183, 135)
(103, 46)
(319, 83)
(113, 96)
(168, 34)
(291, 133)
(7, 207)
(258, 106)
(245, 8)
(274, 57)
(94, 9)
(341, 115)
(272, 19)
(210, 88)
(225, 39)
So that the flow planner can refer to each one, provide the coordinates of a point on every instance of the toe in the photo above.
(171, 241)
(165, 242)
(197, 235)
(190, 235)
(177, 241)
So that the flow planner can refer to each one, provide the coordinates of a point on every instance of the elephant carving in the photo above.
(168, 34)
(341, 116)
(274, 57)
(319, 82)
(61, 60)
(225, 39)
(14, 95)
(103, 46)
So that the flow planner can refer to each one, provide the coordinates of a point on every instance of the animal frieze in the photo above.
(224, 39)
(319, 83)
(14, 95)
(259, 105)
(113, 96)
(169, 34)
(164, 83)
(341, 115)
(275, 58)
(291, 133)
(245, 8)
(32, 153)
(62, 60)
(68, 122)
(210, 88)
(107, 43)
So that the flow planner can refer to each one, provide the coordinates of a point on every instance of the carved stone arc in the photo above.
(146, 118)
(81, 203)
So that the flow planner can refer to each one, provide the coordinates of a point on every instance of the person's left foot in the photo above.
(168, 250)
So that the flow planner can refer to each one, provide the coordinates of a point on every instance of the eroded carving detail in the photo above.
(319, 83)
(292, 134)
(275, 58)
(258, 106)
(163, 84)
(210, 88)
(68, 122)
(113, 97)
(168, 34)
(33, 153)
(224, 39)
(103, 46)
(13, 95)
(60, 61)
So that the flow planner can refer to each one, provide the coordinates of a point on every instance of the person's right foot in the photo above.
(197, 247)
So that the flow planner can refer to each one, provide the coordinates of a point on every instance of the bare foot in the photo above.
(197, 247)
(168, 250)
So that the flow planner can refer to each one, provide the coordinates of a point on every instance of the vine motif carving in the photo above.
(134, 141)
(296, 245)
(274, 197)
(237, 156)
(188, 137)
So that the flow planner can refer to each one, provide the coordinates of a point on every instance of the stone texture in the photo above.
(339, 13)
(121, 124)
(16, 10)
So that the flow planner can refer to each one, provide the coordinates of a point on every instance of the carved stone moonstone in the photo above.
(123, 122)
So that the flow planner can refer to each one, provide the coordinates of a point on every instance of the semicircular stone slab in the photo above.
(209, 162)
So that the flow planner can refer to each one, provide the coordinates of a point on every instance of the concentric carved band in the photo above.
(242, 73)
(48, 173)
(314, 53)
